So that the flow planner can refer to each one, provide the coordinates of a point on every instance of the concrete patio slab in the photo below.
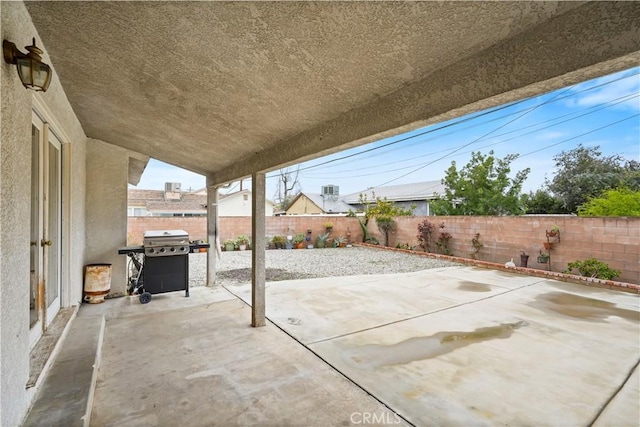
(616, 412)
(356, 303)
(130, 305)
(477, 347)
(205, 365)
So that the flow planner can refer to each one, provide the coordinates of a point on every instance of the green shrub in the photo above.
(592, 268)
(617, 202)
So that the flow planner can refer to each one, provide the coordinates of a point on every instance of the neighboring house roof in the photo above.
(326, 205)
(187, 202)
(399, 193)
(136, 195)
(159, 201)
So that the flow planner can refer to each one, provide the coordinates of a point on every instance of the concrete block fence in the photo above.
(615, 241)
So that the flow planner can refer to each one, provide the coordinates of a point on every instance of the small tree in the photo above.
(384, 211)
(386, 225)
(425, 235)
(477, 245)
(443, 241)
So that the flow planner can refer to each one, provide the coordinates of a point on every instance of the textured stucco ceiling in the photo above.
(206, 85)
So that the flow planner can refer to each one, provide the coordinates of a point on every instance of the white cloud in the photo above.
(608, 92)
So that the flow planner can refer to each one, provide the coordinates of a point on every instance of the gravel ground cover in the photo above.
(235, 267)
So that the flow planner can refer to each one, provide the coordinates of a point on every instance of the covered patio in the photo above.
(452, 346)
(233, 90)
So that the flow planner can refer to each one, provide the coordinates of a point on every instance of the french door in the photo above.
(46, 230)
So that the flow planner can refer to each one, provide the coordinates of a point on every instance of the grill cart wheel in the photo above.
(145, 297)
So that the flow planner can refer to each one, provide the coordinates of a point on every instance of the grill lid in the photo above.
(165, 237)
(165, 233)
(166, 242)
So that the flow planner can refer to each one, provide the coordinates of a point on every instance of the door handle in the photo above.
(44, 243)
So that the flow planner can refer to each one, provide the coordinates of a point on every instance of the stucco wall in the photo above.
(236, 205)
(15, 189)
(106, 208)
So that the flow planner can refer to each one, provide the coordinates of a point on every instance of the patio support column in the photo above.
(213, 233)
(258, 240)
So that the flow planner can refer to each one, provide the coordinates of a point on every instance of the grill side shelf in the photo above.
(135, 249)
(140, 249)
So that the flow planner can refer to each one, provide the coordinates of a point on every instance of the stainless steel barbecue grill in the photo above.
(166, 243)
(161, 264)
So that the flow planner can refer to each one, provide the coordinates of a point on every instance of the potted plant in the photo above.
(555, 230)
(543, 258)
(547, 245)
(321, 240)
(229, 245)
(242, 241)
(278, 241)
(339, 242)
(298, 241)
(328, 226)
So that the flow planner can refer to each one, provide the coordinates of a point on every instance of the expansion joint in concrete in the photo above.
(615, 393)
(417, 316)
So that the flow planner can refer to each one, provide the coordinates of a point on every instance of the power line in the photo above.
(593, 109)
(469, 118)
(475, 140)
(578, 136)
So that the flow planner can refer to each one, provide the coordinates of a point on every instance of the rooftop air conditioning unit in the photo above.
(330, 190)
(173, 187)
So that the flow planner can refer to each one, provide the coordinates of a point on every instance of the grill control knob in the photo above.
(183, 249)
(162, 250)
(172, 249)
(151, 250)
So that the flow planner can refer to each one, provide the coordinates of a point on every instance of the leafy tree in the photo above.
(542, 202)
(618, 202)
(482, 187)
(583, 173)
(383, 211)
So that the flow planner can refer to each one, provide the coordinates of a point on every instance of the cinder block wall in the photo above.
(611, 240)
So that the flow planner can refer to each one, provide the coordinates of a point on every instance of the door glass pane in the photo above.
(53, 225)
(35, 217)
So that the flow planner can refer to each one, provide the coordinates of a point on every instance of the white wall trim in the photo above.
(47, 116)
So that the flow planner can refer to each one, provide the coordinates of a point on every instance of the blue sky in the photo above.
(602, 112)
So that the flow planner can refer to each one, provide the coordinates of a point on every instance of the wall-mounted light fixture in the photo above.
(33, 73)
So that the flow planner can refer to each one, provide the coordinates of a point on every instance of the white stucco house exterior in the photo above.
(132, 80)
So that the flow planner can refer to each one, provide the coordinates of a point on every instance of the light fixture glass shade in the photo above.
(34, 74)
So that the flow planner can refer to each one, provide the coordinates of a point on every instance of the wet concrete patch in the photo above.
(474, 286)
(580, 307)
(421, 348)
